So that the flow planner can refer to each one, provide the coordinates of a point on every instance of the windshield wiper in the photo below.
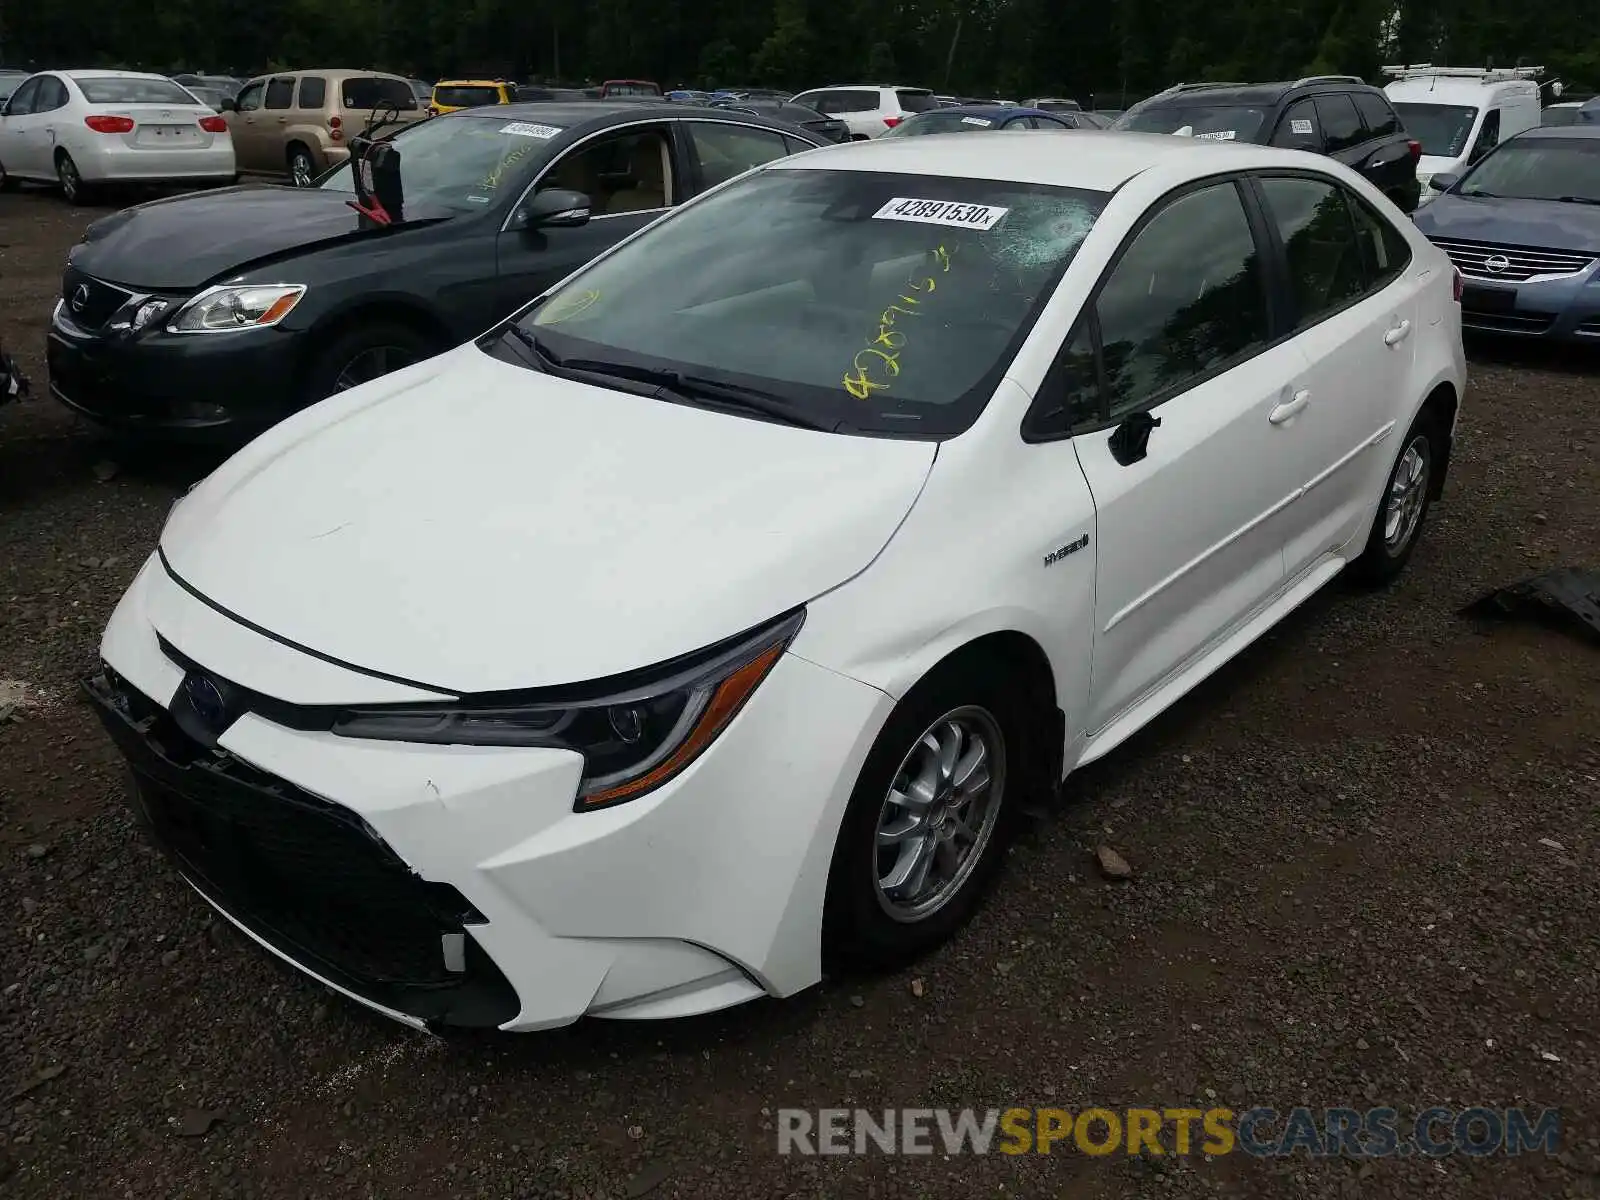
(1576, 200)
(692, 389)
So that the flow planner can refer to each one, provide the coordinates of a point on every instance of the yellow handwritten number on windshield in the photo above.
(858, 381)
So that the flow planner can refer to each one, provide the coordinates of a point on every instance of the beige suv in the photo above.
(299, 123)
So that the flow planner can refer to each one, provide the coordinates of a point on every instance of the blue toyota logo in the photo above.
(207, 700)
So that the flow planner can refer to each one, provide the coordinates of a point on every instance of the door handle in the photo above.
(1398, 334)
(1285, 409)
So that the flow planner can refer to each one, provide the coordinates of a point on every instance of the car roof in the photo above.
(1255, 94)
(1576, 132)
(91, 73)
(469, 83)
(868, 87)
(571, 114)
(1094, 159)
(989, 110)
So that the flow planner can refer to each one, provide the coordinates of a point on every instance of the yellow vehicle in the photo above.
(452, 95)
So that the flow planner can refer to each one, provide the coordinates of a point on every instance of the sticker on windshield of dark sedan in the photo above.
(976, 121)
(527, 129)
(940, 212)
(1221, 135)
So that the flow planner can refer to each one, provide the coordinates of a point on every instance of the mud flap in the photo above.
(1568, 597)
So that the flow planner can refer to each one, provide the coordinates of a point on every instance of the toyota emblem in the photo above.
(80, 297)
(1496, 263)
(206, 698)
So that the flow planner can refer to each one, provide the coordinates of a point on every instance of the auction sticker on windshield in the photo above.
(526, 129)
(1221, 135)
(940, 212)
(976, 121)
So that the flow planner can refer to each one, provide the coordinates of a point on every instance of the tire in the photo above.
(1402, 507)
(73, 190)
(870, 918)
(8, 182)
(302, 167)
(364, 352)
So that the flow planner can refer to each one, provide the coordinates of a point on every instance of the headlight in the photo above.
(246, 307)
(634, 732)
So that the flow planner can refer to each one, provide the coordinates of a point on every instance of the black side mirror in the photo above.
(555, 208)
(1443, 181)
(1131, 441)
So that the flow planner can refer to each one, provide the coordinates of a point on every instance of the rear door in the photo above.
(1343, 133)
(1352, 295)
(274, 117)
(1389, 163)
(21, 137)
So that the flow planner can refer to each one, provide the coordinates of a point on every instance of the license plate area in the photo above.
(1478, 298)
(167, 135)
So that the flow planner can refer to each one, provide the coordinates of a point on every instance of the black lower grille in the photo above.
(307, 876)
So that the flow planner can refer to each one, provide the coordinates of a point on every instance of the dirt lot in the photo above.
(1366, 862)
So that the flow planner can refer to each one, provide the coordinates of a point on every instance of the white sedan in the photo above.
(723, 608)
(82, 129)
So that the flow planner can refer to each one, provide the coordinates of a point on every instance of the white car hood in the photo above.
(473, 526)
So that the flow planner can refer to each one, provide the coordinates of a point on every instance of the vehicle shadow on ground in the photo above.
(1486, 350)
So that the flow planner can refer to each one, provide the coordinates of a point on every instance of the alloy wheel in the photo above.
(67, 174)
(1408, 490)
(940, 813)
(300, 168)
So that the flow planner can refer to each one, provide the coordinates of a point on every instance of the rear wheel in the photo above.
(7, 182)
(363, 353)
(73, 189)
(302, 167)
(1402, 507)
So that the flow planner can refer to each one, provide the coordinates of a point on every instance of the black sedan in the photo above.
(828, 128)
(217, 314)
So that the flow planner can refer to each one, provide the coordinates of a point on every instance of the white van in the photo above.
(1459, 114)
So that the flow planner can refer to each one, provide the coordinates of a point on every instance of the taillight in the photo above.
(891, 122)
(110, 124)
(335, 121)
(1457, 283)
(336, 128)
(213, 125)
(1416, 149)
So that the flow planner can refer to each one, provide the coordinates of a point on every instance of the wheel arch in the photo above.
(1441, 406)
(398, 309)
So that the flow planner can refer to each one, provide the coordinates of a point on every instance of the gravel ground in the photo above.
(1365, 861)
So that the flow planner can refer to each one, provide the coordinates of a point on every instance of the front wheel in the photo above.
(1402, 507)
(928, 822)
(363, 353)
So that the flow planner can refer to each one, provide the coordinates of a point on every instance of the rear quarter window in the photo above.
(366, 92)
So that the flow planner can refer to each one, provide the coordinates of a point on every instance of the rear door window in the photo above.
(364, 93)
(313, 91)
(52, 95)
(728, 150)
(1299, 129)
(280, 93)
(1326, 267)
(916, 100)
(1341, 124)
(1377, 113)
